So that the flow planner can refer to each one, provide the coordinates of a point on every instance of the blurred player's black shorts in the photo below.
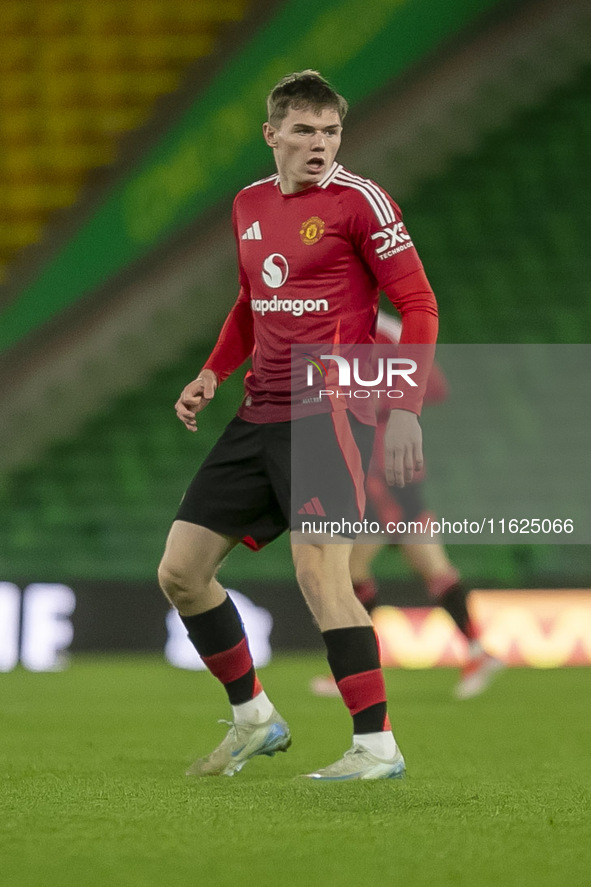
(393, 505)
(246, 488)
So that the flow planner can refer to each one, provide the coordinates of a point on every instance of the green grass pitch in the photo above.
(94, 792)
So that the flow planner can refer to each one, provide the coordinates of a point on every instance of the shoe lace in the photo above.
(235, 731)
(344, 765)
(232, 734)
(355, 750)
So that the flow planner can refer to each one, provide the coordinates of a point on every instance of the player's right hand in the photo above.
(194, 397)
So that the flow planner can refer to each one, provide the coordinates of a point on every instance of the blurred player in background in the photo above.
(428, 559)
(316, 243)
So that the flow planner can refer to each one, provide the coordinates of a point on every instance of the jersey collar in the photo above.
(327, 177)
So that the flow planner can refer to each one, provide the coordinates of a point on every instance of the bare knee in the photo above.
(309, 569)
(179, 585)
(188, 567)
(323, 576)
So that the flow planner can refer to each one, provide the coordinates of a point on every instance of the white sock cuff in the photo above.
(255, 711)
(382, 745)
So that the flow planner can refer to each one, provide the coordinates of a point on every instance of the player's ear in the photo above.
(269, 134)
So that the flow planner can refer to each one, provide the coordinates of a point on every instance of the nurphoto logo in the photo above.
(389, 371)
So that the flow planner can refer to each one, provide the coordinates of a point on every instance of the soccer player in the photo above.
(315, 243)
(428, 559)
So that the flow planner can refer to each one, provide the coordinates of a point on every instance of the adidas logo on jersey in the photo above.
(253, 233)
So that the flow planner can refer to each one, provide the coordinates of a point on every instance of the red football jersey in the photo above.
(311, 265)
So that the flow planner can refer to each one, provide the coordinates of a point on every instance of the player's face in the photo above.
(304, 145)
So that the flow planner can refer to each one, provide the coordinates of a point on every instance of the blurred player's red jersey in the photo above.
(388, 332)
(311, 266)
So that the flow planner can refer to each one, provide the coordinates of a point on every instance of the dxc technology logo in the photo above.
(390, 237)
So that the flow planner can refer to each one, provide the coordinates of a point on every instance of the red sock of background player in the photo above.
(219, 638)
(354, 659)
(449, 592)
(366, 592)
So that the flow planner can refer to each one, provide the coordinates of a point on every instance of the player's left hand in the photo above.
(403, 447)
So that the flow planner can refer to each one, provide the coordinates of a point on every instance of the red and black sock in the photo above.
(366, 593)
(453, 599)
(219, 638)
(354, 659)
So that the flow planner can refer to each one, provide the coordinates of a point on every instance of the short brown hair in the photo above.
(303, 90)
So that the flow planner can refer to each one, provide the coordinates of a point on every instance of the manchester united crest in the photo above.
(312, 230)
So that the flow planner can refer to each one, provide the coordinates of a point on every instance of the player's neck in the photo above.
(290, 186)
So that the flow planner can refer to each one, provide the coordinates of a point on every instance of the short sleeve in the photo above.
(378, 233)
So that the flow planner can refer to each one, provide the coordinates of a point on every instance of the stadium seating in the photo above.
(74, 76)
(503, 232)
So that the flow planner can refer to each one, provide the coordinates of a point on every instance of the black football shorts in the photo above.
(248, 488)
